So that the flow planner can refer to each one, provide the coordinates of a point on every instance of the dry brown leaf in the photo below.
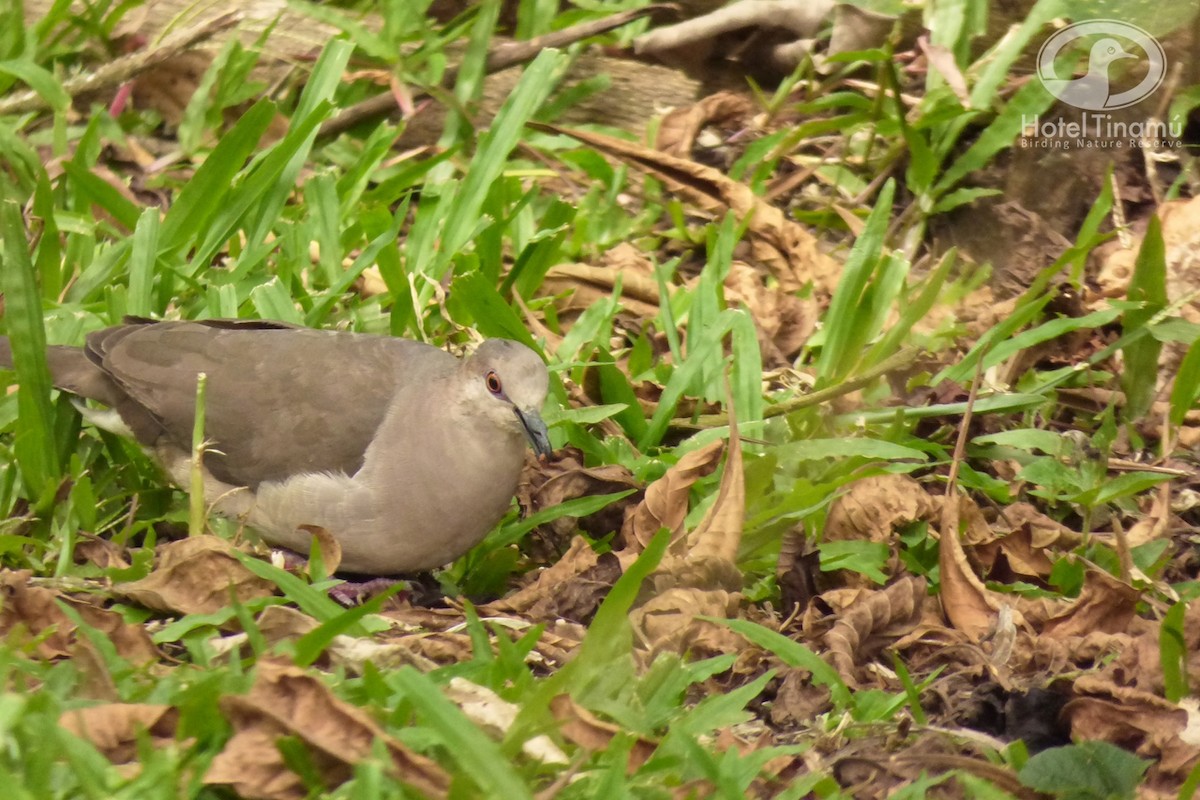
(783, 320)
(1020, 557)
(583, 728)
(287, 701)
(872, 508)
(283, 623)
(1030, 534)
(667, 622)
(874, 622)
(678, 130)
(1044, 654)
(968, 604)
(331, 548)
(1152, 522)
(942, 59)
(719, 533)
(701, 577)
(385, 651)
(572, 588)
(787, 250)
(1105, 604)
(100, 552)
(114, 728)
(1140, 662)
(563, 477)
(585, 285)
(666, 502)
(1151, 729)
(195, 576)
(798, 700)
(577, 287)
(33, 612)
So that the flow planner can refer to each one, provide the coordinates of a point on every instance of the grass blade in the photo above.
(34, 444)
(1149, 288)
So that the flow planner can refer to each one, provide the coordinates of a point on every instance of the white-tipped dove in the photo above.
(403, 453)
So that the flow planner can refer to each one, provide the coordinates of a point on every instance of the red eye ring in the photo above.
(493, 383)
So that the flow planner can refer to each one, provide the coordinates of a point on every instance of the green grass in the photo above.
(283, 225)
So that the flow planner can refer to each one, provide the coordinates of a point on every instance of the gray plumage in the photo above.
(405, 454)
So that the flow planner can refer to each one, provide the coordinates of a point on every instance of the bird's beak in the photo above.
(536, 430)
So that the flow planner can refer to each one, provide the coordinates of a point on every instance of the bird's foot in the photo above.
(353, 593)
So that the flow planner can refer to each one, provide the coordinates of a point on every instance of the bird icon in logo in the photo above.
(1091, 91)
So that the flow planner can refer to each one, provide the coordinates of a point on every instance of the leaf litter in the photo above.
(978, 649)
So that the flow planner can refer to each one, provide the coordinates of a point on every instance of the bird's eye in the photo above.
(493, 384)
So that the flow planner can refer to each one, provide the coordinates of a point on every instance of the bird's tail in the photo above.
(72, 371)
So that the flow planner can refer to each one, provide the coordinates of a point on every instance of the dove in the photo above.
(403, 453)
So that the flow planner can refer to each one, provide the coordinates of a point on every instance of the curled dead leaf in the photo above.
(1150, 727)
(115, 728)
(798, 700)
(1105, 604)
(719, 533)
(195, 576)
(666, 501)
(872, 508)
(699, 575)
(331, 548)
(678, 130)
(783, 320)
(875, 621)
(1022, 551)
(563, 477)
(287, 701)
(101, 552)
(967, 602)
(33, 612)
(667, 622)
(572, 588)
(591, 733)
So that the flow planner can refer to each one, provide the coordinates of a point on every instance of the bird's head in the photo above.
(507, 382)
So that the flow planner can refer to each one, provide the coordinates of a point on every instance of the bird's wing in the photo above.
(280, 400)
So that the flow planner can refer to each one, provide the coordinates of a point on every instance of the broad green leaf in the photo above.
(1090, 769)
(815, 449)
(1128, 484)
(865, 558)
(311, 645)
(495, 145)
(1030, 439)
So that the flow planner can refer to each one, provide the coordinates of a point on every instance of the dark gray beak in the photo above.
(536, 430)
